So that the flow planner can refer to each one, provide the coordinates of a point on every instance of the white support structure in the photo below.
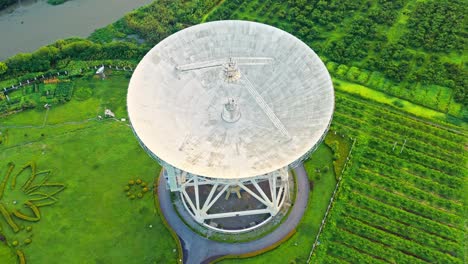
(264, 106)
(220, 62)
(271, 197)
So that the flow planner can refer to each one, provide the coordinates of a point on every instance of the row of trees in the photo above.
(409, 202)
(404, 128)
(362, 34)
(430, 148)
(162, 18)
(410, 244)
(423, 224)
(426, 184)
(435, 26)
(47, 57)
(387, 181)
(427, 144)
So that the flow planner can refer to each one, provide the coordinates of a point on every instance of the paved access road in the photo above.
(198, 249)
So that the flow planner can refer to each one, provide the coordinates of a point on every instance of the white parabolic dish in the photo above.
(177, 94)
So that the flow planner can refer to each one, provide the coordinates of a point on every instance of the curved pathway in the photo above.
(198, 249)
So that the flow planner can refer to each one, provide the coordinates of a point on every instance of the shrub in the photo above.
(331, 66)
(353, 73)
(363, 78)
(325, 169)
(3, 68)
(398, 103)
(342, 70)
(82, 93)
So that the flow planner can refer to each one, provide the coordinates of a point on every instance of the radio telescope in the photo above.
(227, 108)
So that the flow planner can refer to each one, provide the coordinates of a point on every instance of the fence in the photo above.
(47, 76)
(324, 220)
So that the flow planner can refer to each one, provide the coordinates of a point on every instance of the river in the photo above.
(30, 24)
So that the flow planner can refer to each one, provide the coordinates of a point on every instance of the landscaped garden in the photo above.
(93, 219)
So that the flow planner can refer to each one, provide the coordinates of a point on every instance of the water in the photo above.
(31, 24)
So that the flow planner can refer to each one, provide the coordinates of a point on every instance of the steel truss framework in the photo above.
(179, 180)
(199, 208)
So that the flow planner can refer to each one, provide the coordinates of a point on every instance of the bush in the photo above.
(324, 169)
(83, 93)
(353, 73)
(398, 103)
(3, 68)
(331, 66)
(342, 70)
(363, 77)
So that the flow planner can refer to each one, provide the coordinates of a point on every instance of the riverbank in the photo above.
(24, 29)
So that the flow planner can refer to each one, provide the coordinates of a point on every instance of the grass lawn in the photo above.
(297, 248)
(380, 97)
(342, 147)
(110, 93)
(93, 220)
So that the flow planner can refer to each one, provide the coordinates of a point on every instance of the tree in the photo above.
(353, 73)
(363, 77)
(50, 53)
(20, 62)
(3, 68)
(342, 70)
(82, 49)
(325, 169)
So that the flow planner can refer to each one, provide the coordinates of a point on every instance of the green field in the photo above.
(402, 201)
(93, 220)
